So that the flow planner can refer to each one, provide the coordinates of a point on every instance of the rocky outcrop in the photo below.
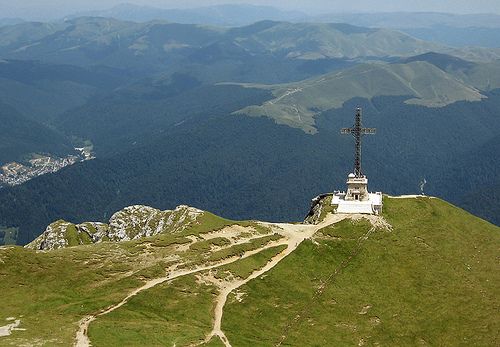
(62, 234)
(319, 205)
(131, 223)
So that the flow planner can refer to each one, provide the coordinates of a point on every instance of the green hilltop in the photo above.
(484, 76)
(423, 273)
(327, 40)
(296, 104)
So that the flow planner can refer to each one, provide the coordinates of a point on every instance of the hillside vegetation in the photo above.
(41, 91)
(22, 136)
(425, 273)
(32, 94)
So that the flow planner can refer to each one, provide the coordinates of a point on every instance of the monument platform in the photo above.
(372, 205)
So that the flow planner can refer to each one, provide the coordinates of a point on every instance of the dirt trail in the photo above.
(82, 339)
(294, 235)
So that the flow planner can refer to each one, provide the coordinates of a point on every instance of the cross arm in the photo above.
(368, 131)
(346, 131)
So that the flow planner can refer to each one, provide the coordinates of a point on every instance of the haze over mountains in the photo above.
(240, 14)
(240, 120)
(103, 41)
(446, 28)
(220, 15)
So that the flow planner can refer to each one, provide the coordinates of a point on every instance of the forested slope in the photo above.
(270, 168)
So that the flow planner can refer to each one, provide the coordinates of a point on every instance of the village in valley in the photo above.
(15, 173)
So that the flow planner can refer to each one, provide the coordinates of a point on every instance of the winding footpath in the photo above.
(294, 235)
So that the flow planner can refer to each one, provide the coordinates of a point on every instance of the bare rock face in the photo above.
(138, 221)
(62, 234)
(318, 205)
(131, 223)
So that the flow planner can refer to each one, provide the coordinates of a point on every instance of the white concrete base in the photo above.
(371, 206)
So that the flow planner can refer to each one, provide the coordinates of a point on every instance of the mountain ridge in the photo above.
(93, 40)
(224, 15)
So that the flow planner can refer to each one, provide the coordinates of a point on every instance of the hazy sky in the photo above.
(57, 8)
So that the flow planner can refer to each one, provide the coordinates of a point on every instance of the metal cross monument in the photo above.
(357, 131)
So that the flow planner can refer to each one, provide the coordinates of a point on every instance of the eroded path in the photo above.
(294, 235)
(82, 339)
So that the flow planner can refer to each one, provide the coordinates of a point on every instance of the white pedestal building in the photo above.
(357, 199)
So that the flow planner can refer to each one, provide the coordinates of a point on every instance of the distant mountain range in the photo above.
(406, 20)
(446, 28)
(103, 41)
(220, 15)
(244, 14)
(154, 46)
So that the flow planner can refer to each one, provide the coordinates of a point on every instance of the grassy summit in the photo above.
(430, 278)
(432, 281)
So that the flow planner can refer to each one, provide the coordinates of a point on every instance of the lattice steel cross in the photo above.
(357, 131)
